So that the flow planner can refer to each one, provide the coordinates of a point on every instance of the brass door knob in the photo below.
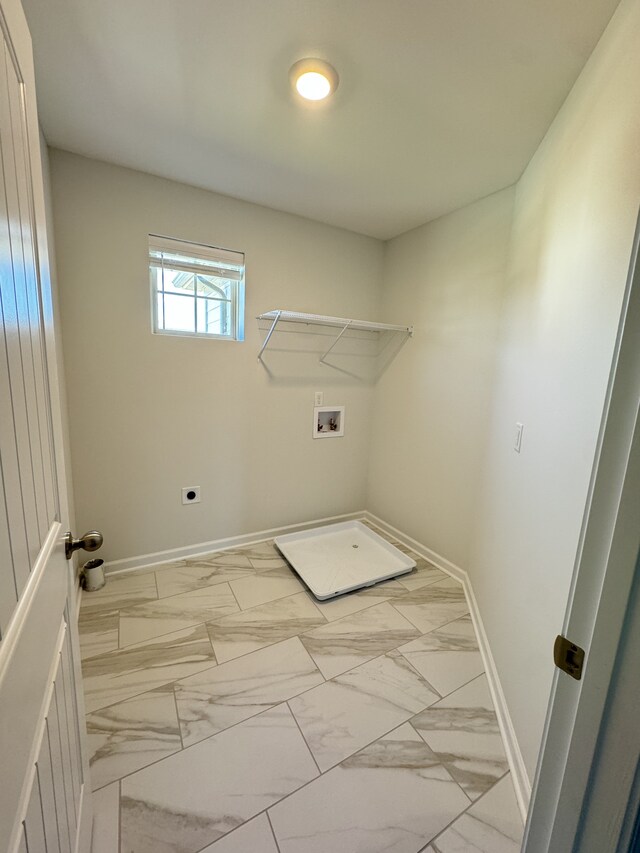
(91, 541)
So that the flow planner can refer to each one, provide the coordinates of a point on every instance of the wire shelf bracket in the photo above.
(342, 323)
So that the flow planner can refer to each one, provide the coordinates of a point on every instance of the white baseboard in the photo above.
(519, 773)
(187, 552)
(446, 566)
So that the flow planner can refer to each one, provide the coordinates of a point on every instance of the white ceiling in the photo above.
(440, 101)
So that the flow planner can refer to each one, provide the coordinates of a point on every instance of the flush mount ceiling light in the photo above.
(313, 79)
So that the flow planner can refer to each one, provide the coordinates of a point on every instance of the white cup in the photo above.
(93, 575)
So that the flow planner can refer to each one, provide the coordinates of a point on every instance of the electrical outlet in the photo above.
(318, 398)
(517, 446)
(191, 495)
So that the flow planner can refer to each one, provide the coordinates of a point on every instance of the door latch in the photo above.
(568, 657)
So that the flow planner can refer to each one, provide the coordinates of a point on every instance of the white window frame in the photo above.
(231, 267)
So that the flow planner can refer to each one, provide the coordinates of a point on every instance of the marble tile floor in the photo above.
(228, 711)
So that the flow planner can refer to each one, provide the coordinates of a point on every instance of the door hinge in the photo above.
(568, 657)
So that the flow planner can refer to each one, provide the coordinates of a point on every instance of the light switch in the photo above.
(518, 442)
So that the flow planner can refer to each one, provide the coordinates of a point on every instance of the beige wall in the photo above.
(432, 405)
(574, 219)
(513, 520)
(150, 413)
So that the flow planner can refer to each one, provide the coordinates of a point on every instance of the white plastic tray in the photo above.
(342, 557)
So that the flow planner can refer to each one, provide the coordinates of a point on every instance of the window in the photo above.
(196, 290)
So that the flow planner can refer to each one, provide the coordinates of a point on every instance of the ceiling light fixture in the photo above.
(313, 79)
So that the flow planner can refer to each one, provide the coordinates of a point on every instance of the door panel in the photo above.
(15, 503)
(67, 769)
(47, 794)
(53, 728)
(27, 676)
(42, 428)
(69, 690)
(56, 777)
(44, 799)
(34, 823)
(8, 593)
(32, 337)
(14, 302)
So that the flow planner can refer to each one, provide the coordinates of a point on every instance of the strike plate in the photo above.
(568, 657)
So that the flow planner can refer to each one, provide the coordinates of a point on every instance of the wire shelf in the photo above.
(343, 323)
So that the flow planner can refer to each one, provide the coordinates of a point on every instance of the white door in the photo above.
(585, 796)
(44, 793)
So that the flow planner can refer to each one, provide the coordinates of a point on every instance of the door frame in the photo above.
(600, 590)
